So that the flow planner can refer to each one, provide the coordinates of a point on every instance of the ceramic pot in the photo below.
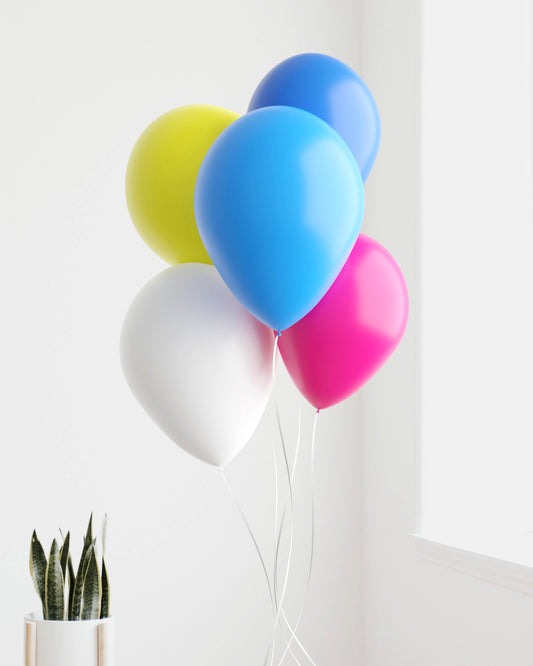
(80, 643)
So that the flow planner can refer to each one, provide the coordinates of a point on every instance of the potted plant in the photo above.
(74, 627)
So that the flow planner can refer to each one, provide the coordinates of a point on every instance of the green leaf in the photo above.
(75, 611)
(92, 590)
(75, 592)
(104, 610)
(54, 586)
(38, 569)
(89, 535)
(64, 555)
(88, 591)
(71, 584)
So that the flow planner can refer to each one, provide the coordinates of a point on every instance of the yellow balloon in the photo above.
(161, 176)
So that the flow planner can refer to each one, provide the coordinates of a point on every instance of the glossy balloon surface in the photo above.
(354, 329)
(279, 202)
(332, 91)
(161, 176)
(197, 361)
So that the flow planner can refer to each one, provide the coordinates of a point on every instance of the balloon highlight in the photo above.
(332, 91)
(161, 176)
(354, 329)
(198, 363)
(279, 202)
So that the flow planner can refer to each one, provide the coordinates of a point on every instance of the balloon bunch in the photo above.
(260, 216)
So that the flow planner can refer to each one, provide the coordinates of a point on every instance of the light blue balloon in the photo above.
(279, 203)
(332, 91)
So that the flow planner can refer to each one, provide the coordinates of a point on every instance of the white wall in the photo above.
(79, 84)
(476, 215)
(415, 613)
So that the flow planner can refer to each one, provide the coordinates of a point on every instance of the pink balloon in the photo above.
(344, 340)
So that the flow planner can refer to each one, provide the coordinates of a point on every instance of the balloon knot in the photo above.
(278, 333)
(318, 411)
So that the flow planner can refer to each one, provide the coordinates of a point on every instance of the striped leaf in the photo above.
(54, 586)
(74, 607)
(88, 591)
(64, 555)
(92, 590)
(75, 595)
(38, 569)
(71, 584)
(75, 611)
(104, 609)
(89, 535)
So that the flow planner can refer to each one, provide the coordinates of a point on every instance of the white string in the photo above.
(276, 491)
(292, 630)
(274, 354)
(311, 557)
(290, 476)
(250, 532)
(279, 534)
(275, 460)
(294, 464)
(291, 540)
(297, 449)
(284, 616)
(288, 625)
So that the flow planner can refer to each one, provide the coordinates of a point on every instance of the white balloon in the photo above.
(197, 361)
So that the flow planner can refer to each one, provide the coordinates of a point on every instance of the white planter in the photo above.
(81, 643)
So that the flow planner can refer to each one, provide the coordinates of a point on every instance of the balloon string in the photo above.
(279, 603)
(250, 532)
(290, 477)
(292, 630)
(283, 615)
(311, 556)
(276, 487)
(297, 449)
(276, 496)
(274, 354)
(279, 534)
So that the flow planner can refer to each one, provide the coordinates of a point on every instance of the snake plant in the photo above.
(64, 593)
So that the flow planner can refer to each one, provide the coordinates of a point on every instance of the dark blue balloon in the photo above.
(332, 91)
(279, 203)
